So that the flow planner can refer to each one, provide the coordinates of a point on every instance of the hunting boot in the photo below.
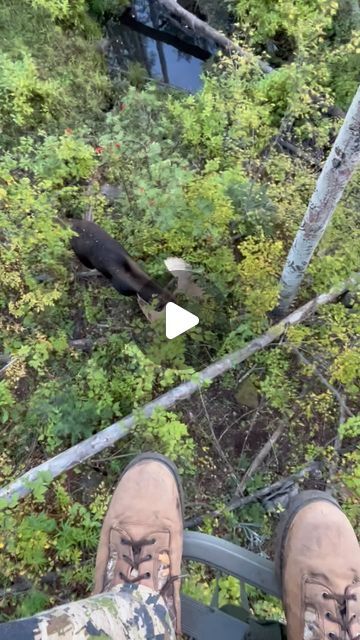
(142, 535)
(318, 563)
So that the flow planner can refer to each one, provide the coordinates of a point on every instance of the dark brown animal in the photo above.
(96, 249)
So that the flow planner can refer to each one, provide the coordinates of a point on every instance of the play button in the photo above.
(178, 320)
(189, 331)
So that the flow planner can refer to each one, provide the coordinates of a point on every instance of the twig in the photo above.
(247, 374)
(257, 496)
(237, 421)
(108, 436)
(259, 458)
(253, 420)
(218, 448)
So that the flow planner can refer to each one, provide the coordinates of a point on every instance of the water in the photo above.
(168, 52)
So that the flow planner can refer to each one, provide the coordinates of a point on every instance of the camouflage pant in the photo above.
(127, 612)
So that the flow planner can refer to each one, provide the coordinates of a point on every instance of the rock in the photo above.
(247, 394)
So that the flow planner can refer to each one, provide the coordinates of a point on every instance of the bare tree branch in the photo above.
(107, 437)
(259, 458)
(257, 496)
(296, 151)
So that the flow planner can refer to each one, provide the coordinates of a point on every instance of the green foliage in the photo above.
(101, 8)
(22, 92)
(259, 274)
(264, 606)
(6, 401)
(60, 9)
(164, 432)
(54, 81)
(349, 472)
(36, 543)
(277, 385)
(61, 160)
(324, 34)
(33, 602)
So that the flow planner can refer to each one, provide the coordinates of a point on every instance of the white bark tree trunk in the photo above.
(336, 173)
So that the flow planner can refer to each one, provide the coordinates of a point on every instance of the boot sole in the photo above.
(302, 500)
(152, 455)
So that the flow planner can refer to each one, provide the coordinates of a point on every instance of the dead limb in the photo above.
(107, 437)
(259, 458)
(205, 30)
(237, 421)
(296, 151)
(261, 495)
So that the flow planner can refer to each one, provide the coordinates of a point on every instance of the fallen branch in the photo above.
(295, 151)
(257, 496)
(108, 436)
(259, 459)
(205, 30)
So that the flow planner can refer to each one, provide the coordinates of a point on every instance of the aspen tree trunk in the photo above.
(336, 173)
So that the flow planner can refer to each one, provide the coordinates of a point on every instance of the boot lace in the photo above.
(342, 621)
(136, 560)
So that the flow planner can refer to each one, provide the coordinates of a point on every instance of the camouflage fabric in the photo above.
(127, 612)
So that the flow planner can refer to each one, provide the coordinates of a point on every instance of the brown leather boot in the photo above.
(318, 562)
(141, 539)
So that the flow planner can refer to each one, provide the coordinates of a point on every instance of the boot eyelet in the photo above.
(152, 541)
(328, 615)
(332, 636)
(325, 595)
(147, 575)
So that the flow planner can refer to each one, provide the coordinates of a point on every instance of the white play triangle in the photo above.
(178, 320)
